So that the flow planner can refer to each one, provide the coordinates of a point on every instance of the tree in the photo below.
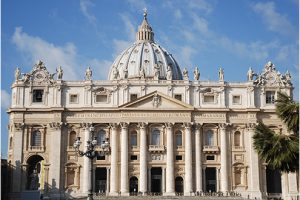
(280, 151)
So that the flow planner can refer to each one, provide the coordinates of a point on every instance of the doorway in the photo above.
(179, 184)
(100, 180)
(133, 185)
(273, 176)
(156, 179)
(210, 179)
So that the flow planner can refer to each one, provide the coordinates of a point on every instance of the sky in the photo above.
(74, 34)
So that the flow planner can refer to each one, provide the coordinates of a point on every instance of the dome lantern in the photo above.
(145, 32)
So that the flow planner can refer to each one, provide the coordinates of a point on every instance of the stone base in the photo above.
(255, 195)
(125, 194)
(114, 194)
(169, 194)
(188, 194)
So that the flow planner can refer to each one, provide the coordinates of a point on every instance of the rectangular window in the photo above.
(101, 98)
(178, 157)
(210, 157)
(236, 99)
(209, 99)
(155, 137)
(37, 96)
(133, 140)
(178, 97)
(100, 157)
(73, 98)
(133, 97)
(133, 157)
(270, 97)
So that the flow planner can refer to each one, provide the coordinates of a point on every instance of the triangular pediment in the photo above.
(156, 101)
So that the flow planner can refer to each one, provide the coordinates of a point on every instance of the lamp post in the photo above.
(91, 154)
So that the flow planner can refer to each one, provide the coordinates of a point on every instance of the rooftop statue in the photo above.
(185, 74)
(196, 74)
(88, 74)
(221, 74)
(59, 72)
(169, 73)
(17, 74)
(250, 74)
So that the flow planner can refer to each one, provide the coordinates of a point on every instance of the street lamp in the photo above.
(91, 154)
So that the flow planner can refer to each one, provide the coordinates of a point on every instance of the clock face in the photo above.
(39, 76)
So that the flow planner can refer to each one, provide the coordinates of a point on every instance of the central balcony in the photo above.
(156, 148)
(211, 149)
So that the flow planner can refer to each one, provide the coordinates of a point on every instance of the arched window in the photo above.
(178, 138)
(155, 137)
(133, 138)
(36, 138)
(72, 138)
(237, 139)
(209, 138)
(101, 137)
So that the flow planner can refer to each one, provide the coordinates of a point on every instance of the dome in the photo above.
(145, 59)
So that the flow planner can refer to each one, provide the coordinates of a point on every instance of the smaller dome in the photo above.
(145, 59)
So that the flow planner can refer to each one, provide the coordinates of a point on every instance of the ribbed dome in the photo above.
(145, 59)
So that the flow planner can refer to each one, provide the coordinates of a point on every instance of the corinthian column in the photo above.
(224, 156)
(198, 149)
(114, 160)
(143, 158)
(170, 182)
(124, 159)
(188, 189)
(86, 161)
(254, 167)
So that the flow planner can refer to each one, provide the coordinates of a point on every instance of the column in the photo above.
(254, 171)
(86, 161)
(17, 158)
(293, 185)
(224, 155)
(188, 165)
(114, 160)
(124, 159)
(143, 158)
(163, 180)
(107, 180)
(170, 182)
(198, 152)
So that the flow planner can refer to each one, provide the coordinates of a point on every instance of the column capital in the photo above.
(85, 125)
(19, 126)
(55, 125)
(142, 125)
(198, 125)
(223, 125)
(124, 125)
(187, 125)
(251, 126)
(169, 125)
(113, 126)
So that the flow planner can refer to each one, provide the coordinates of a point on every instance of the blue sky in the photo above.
(234, 34)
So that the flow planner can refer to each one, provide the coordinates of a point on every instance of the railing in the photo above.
(36, 148)
(210, 148)
(156, 148)
(240, 148)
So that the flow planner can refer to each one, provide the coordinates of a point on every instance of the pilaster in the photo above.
(124, 159)
(188, 189)
(143, 158)
(224, 158)
(198, 154)
(18, 132)
(114, 160)
(170, 181)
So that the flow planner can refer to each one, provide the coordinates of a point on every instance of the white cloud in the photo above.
(129, 27)
(275, 21)
(120, 45)
(84, 7)
(201, 5)
(5, 99)
(200, 24)
(137, 4)
(177, 14)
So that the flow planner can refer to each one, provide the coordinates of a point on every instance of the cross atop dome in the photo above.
(145, 32)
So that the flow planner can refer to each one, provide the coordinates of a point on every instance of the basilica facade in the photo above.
(168, 133)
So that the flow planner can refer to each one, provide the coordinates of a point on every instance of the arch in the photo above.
(33, 170)
(133, 184)
(237, 138)
(72, 138)
(179, 184)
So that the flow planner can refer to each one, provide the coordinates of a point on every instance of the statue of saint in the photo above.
(115, 73)
(142, 73)
(169, 73)
(156, 71)
(221, 74)
(185, 74)
(17, 74)
(125, 73)
(250, 74)
(196, 74)
(60, 73)
(88, 74)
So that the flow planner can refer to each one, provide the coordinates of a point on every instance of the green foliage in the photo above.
(278, 150)
(288, 111)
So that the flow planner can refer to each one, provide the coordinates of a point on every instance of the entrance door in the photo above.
(179, 184)
(210, 179)
(273, 176)
(100, 180)
(133, 185)
(156, 179)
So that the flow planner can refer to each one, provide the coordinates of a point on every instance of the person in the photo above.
(88, 74)
(169, 73)
(60, 73)
(221, 74)
(17, 74)
(196, 74)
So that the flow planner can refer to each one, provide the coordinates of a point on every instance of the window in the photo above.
(133, 138)
(133, 97)
(209, 99)
(178, 157)
(73, 98)
(238, 177)
(36, 138)
(178, 97)
(237, 139)
(37, 96)
(211, 157)
(236, 99)
(70, 177)
(100, 156)
(270, 97)
(133, 157)
(155, 137)
(101, 137)
(72, 138)
(209, 138)
(101, 98)
(178, 138)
